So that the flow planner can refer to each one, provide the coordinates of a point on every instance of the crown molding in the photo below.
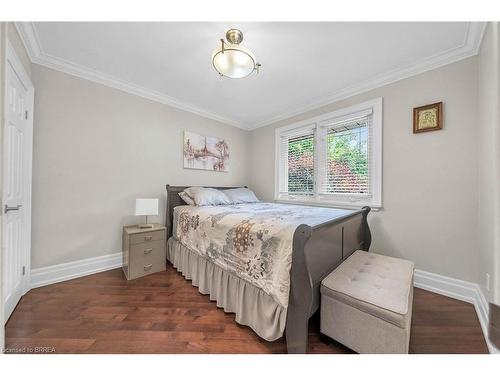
(29, 36)
(30, 39)
(470, 47)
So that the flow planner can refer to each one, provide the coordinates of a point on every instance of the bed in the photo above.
(263, 261)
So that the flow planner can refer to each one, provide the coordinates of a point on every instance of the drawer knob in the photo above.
(148, 267)
(148, 238)
(148, 251)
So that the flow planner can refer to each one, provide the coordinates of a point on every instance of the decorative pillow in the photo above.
(186, 198)
(241, 195)
(207, 196)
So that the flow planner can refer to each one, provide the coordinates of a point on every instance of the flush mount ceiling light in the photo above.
(232, 60)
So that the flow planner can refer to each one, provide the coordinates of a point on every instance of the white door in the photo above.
(16, 194)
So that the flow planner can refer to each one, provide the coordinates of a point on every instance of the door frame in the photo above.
(12, 60)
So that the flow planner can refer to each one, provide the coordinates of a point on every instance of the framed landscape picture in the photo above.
(202, 152)
(428, 118)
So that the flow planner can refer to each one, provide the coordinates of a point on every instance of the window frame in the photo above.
(320, 126)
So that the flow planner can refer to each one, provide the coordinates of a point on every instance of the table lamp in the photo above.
(145, 207)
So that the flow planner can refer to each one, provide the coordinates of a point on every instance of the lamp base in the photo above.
(145, 226)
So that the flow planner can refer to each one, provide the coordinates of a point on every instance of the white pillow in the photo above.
(186, 198)
(207, 196)
(241, 195)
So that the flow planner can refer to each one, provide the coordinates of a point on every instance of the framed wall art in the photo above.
(203, 152)
(428, 118)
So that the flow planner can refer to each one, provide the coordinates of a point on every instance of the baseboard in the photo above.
(446, 286)
(461, 290)
(72, 270)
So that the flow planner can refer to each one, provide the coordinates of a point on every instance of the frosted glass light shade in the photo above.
(234, 61)
(146, 207)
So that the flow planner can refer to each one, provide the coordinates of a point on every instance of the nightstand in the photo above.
(143, 250)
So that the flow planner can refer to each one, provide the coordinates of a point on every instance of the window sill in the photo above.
(342, 205)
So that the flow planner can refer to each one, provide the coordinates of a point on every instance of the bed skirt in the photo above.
(252, 306)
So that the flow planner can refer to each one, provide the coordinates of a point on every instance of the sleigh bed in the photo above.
(314, 241)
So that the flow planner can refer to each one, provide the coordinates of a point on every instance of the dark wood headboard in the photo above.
(173, 200)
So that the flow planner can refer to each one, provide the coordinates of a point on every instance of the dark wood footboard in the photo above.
(316, 252)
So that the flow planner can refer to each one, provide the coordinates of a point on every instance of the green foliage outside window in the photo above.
(301, 164)
(347, 162)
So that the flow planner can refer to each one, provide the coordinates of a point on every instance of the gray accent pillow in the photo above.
(186, 198)
(241, 195)
(207, 196)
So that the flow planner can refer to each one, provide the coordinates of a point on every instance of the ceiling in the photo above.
(304, 65)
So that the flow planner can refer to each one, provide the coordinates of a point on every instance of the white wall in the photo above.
(489, 161)
(96, 149)
(429, 180)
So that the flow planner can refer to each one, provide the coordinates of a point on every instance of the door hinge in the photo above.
(24, 270)
(25, 115)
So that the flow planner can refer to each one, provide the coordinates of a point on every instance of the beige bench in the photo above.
(366, 303)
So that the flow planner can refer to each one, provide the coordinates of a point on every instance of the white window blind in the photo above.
(333, 159)
(297, 161)
(346, 165)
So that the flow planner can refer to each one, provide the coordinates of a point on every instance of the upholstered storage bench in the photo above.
(366, 303)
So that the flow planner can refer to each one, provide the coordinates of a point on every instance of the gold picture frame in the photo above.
(428, 118)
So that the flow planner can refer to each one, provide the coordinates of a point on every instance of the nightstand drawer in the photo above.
(146, 237)
(146, 260)
(146, 248)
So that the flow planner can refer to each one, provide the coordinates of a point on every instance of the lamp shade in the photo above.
(233, 61)
(146, 207)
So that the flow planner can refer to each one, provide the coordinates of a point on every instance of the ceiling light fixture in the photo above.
(232, 60)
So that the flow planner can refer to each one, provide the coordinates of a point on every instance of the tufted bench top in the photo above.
(376, 284)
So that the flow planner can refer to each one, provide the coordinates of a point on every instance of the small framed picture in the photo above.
(428, 118)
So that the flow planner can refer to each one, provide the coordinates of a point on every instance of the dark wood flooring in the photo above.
(164, 313)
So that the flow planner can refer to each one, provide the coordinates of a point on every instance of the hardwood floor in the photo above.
(164, 313)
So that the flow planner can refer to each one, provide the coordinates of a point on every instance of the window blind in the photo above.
(346, 158)
(333, 159)
(297, 161)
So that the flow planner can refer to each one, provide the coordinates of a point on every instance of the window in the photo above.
(299, 161)
(333, 159)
